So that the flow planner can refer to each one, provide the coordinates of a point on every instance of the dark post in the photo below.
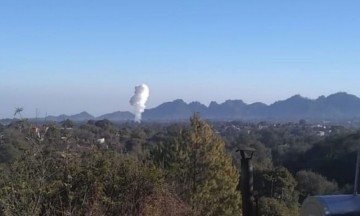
(356, 181)
(247, 181)
(356, 137)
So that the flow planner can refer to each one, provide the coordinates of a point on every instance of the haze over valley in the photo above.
(339, 107)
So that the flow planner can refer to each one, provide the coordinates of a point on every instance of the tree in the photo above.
(45, 181)
(67, 123)
(278, 185)
(262, 158)
(310, 183)
(18, 111)
(197, 164)
(274, 207)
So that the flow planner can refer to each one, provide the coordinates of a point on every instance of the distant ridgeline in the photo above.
(339, 106)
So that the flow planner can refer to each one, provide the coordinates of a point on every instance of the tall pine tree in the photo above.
(201, 170)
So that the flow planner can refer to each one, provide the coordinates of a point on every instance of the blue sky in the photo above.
(66, 56)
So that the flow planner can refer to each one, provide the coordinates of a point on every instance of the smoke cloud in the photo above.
(139, 100)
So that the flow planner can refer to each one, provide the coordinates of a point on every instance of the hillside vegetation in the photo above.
(192, 168)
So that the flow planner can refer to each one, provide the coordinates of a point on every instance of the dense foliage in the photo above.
(100, 168)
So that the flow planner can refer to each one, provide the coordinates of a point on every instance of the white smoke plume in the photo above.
(139, 100)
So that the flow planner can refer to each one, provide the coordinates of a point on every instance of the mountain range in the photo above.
(338, 106)
(333, 107)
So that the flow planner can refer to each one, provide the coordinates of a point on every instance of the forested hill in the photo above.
(339, 106)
